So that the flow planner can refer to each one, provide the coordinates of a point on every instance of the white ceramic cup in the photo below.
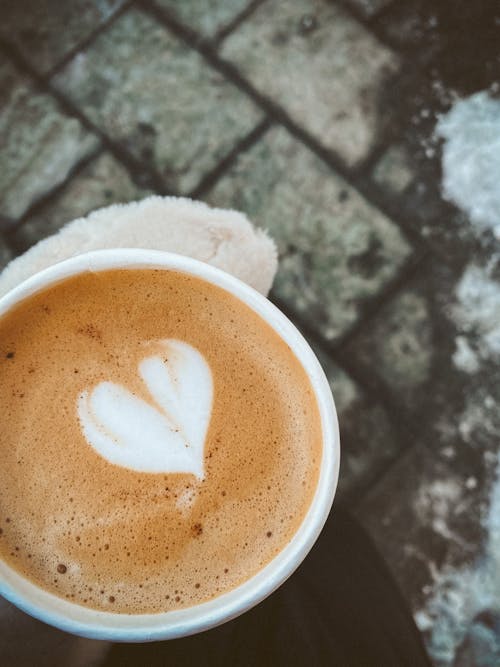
(95, 624)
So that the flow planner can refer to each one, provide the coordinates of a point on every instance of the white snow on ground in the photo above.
(459, 595)
(471, 159)
(477, 314)
(471, 180)
(464, 356)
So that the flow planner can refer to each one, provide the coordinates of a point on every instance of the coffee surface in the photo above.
(99, 373)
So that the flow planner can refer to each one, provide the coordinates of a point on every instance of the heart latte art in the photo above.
(160, 443)
(166, 435)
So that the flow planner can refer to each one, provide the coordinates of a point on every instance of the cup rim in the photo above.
(113, 626)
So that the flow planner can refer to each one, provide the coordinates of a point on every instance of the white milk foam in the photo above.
(166, 435)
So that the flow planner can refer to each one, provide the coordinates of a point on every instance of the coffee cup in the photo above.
(142, 627)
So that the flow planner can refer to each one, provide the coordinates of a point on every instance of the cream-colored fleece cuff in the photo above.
(226, 239)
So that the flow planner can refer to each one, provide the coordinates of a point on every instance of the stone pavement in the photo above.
(316, 118)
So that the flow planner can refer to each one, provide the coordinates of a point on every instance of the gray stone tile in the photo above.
(38, 144)
(432, 352)
(156, 97)
(44, 31)
(102, 182)
(336, 250)
(207, 17)
(319, 64)
(368, 440)
(393, 171)
(398, 346)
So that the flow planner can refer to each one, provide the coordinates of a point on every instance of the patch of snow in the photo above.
(464, 357)
(459, 595)
(471, 159)
(435, 500)
(478, 416)
(470, 483)
(448, 452)
(477, 313)
(423, 620)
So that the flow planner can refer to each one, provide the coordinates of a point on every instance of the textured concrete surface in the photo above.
(38, 143)
(207, 18)
(320, 65)
(102, 182)
(393, 285)
(398, 346)
(336, 250)
(158, 99)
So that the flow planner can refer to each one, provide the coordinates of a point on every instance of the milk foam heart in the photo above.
(164, 436)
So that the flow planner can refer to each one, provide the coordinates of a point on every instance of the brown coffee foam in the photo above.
(115, 539)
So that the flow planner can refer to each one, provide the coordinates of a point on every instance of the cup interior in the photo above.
(95, 624)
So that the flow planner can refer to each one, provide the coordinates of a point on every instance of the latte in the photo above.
(160, 442)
